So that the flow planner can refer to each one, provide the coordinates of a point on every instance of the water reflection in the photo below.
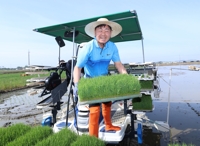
(20, 97)
(184, 112)
(184, 109)
(184, 84)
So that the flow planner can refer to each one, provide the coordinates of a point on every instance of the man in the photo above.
(95, 57)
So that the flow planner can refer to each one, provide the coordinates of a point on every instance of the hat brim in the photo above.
(90, 28)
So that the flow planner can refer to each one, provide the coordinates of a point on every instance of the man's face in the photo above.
(103, 34)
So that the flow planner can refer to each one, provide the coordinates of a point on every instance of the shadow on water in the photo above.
(183, 121)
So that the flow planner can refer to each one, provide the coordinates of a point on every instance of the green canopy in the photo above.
(128, 20)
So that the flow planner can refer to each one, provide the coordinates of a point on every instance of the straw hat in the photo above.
(116, 28)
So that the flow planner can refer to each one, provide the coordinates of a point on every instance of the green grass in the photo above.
(86, 140)
(107, 87)
(10, 81)
(32, 137)
(62, 138)
(11, 133)
(142, 103)
(15, 80)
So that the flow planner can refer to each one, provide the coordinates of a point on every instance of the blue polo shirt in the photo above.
(96, 60)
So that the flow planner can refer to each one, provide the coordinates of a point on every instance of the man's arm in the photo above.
(77, 74)
(120, 68)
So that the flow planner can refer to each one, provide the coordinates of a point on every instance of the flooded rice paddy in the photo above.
(182, 112)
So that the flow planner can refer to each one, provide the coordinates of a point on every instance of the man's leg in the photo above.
(106, 111)
(94, 119)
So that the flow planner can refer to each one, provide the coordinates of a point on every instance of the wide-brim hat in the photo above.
(90, 28)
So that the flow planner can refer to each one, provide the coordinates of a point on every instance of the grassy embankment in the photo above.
(12, 80)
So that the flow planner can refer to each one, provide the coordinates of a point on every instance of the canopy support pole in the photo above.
(70, 86)
(143, 54)
(143, 51)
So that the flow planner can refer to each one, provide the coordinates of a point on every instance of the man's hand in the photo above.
(121, 69)
(77, 75)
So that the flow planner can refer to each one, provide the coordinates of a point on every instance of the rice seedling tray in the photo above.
(111, 99)
(108, 88)
(146, 84)
(144, 103)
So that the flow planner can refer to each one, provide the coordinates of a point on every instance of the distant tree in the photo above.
(19, 68)
(160, 62)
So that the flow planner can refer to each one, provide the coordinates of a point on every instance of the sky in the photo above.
(170, 29)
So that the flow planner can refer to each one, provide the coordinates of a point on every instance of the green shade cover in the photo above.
(128, 20)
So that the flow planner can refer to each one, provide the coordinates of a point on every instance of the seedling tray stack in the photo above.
(146, 82)
(143, 103)
(108, 88)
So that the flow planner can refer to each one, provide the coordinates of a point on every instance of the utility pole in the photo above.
(28, 58)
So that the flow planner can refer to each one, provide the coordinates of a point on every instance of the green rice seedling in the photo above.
(86, 140)
(146, 84)
(108, 87)
(142, 103)
(63, 138)
(32, 137)
(9, 134)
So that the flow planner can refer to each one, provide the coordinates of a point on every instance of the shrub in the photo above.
(11, 133)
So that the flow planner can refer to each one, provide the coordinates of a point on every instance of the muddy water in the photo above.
(182, 114)
(183, 110)
(19, 106)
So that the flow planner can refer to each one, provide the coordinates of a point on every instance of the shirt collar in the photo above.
(97, 45)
